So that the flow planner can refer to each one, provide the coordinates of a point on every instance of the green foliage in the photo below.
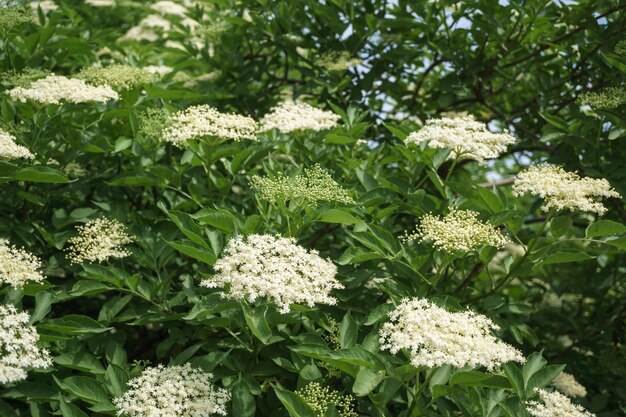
(385, 67)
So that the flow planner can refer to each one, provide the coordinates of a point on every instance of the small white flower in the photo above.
(567, 384)
(180, 391)
(99, 240)
(289, 116)
(55, 88)
(434, 336)
(11, 150)
(18, 346)
(562, 190)
(466, 137)
(457, 231)
(276, 268)
(198, 122)
(555, 404)
(17, 266)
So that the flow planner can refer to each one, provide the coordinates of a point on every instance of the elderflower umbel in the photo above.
(335, 61)
(555, 404)
(13, 16)
(434, 336)
(466, 137)
(289, 116)
(160, 70)
(457, 231)
(23, 78)
(18, 346)
(320, 399)
(119, 77)
(562, 190)
(199, 122)
(169, 7)
(179, 390)
(312, 186)
(100, 3)
(74, 170)
(607, 98)
(11, 150)
(54, 88)
(17, 266)
(276, 268)
(567, 384)
(99, 240)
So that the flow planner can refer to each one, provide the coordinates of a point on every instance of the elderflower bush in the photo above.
(250, 208)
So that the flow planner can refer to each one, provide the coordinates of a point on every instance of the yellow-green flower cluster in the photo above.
(99, 240)
(607, 98)
(320, 399)
(562, 190)
(335, 61)
(22, 79)
(119, 77)
(457, 231)
(152, 123)
(310, 187)
(13, 16)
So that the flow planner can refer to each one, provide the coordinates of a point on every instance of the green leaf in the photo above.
(70, 410)
(366, 380)
(81, 361)
(516, 379)
(243, 404)
(479, 379)
(41, 174)
(566, 257)
(74, 324)
(618, 243)
(295, 405)
(338, 216)
(87, 389)
(257, 322)
(543, 377)
(116, 378)
(201, 253)
(188, 226)
(348, 331)
(605, 228)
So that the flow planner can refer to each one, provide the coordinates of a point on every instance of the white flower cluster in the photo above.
(555, 404)
(54, 88)
(11, 150)
(434, 336)
(160, 70)
(18, 346)
(17, 266)
(198, 122)
(99, 240)
(312, 186)
(180, 391)
(567, 384)
(289, 116)
(563, 190)
(169, 7)
(275, 268)
(466, 137)
(335, 61)
(457, 231)
(100, 3)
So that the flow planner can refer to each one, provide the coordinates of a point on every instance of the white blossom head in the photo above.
(290, 116)
(169, 7)
(457, 231)
(434, 336)
(17, 267)
(562, 190)
(205, 122)
(466, 138)
(275, 268)
(555, 404)
(56, 88)
(567, 384)
(159, 70)
(100, 3)
(117, 76)
(179, 390)
(99, 240)
(11, 150)
(18, 346)
(335, 61)
(312, 186)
